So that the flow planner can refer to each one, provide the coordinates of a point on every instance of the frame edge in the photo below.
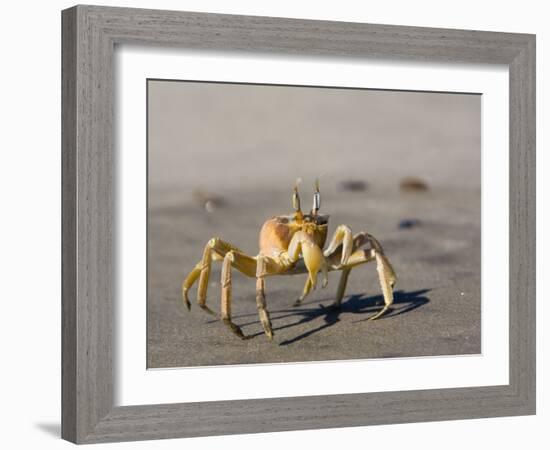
(523, 225)
(89, 33)
(68, 224)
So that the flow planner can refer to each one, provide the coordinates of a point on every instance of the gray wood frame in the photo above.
(89, 36)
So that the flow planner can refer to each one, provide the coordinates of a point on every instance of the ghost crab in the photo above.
(289, 245)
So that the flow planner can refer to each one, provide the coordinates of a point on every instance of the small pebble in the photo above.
(208, 200)
(406, 224)
(353, 186)
(413, 184)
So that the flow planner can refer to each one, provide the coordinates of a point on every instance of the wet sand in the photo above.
(437, 296)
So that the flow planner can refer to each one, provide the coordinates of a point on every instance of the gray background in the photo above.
(243, 146)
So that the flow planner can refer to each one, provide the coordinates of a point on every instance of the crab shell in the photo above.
(276, 233)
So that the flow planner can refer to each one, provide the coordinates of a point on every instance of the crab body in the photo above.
(289, 245)
(277, 234)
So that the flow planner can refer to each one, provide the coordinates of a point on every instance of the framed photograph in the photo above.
(278, 224)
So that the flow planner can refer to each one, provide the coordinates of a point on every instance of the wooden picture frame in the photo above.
(89, 37)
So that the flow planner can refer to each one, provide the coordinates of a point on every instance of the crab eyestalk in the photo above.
(316, 199)
(296, 202)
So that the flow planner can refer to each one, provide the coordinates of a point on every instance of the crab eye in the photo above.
(296, 201)
(316, 198)
(296, 196)
(316, 201)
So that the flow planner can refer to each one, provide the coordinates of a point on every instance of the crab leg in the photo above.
(246, 265)
(188, 282)
(261, 272)
(358, 240)
(386, 274)
(356, 258)
(305, 292)
(342, 236)
(215, 249)
(206, 263)
(387, 278)
(342, 287)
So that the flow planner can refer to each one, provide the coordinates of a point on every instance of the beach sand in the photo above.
(238, 156)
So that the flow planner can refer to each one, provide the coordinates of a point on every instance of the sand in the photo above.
(437, 296)
(233, 144)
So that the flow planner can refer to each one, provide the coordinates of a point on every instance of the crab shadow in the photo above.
(359, 304)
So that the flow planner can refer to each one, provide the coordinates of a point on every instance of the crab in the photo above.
(291, 245)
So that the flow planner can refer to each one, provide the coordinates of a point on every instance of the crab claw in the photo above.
(315, 262)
